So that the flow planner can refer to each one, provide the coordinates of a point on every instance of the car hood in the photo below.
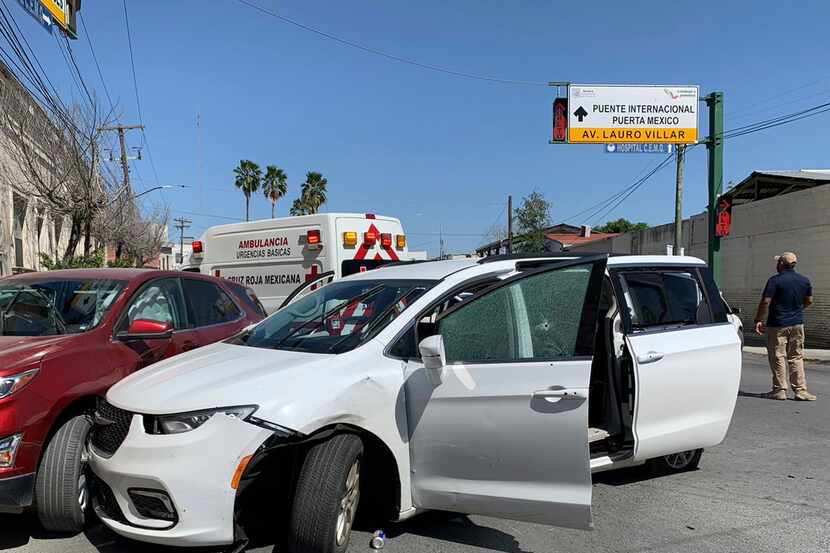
(18, 352)
(218, 375)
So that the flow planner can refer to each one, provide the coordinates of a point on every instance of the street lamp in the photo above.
(162, 187)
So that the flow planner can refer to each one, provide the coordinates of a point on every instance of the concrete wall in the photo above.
(798, 222)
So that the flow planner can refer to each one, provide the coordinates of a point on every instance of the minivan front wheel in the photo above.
(327, 496)
(675, 462)
(61, 488)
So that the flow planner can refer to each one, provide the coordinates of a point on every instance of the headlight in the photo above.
(11, 384)
(185, 422)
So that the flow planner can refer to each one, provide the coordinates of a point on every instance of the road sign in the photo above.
(637, 148)
(36, 9)
(613, 114)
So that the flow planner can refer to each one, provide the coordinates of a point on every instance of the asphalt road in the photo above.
(766, 488)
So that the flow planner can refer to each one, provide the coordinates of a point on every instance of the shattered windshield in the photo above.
(49, 307)
(335, 318)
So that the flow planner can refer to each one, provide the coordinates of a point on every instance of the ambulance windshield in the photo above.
(335, 318)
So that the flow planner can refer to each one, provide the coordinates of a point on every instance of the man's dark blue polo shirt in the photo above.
(787, 290)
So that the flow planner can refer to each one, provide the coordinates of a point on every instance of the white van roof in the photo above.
(293, 221)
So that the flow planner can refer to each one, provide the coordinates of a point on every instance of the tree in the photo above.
(248, 178)
(532, 218)
(52, 158)
(274, 185)
(312, 195)
(621, 225)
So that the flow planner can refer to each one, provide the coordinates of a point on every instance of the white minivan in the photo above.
(274, 256)
(493, 387)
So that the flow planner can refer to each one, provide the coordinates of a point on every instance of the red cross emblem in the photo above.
(311, 275)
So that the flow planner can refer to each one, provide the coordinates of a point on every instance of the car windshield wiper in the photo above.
(330, 312)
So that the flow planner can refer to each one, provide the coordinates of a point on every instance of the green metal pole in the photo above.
(715, 147)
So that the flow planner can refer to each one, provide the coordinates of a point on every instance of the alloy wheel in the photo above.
(348, 504)
(680, 460)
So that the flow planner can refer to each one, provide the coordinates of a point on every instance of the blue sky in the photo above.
(439, 151)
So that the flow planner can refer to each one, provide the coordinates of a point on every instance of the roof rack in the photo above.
(510, 256)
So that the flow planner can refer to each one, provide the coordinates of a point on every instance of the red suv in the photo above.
(65, 338)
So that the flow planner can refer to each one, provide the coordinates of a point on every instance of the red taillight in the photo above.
(370, 237)
(370, 215)
(197, 246)
(313, 237)
(386, 240)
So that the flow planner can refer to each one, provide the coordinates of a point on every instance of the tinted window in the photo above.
(207, 304)
(666, 298)
(158, 300)
(535, 318)
(248, 296)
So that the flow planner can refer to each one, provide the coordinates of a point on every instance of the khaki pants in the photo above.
(785, 348)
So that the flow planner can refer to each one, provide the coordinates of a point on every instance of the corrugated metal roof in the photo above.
(760, 185)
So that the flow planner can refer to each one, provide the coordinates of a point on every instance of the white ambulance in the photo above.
(275, 256)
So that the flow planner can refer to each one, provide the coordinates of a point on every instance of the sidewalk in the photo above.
(815, 355)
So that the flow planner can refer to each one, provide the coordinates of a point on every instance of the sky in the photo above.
(439, 151)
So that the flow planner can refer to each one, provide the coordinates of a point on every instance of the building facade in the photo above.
(27, 228)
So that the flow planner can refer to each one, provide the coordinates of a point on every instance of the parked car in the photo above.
(493, 387)
(65, 338)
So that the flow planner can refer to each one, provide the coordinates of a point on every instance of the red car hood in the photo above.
(17, 352)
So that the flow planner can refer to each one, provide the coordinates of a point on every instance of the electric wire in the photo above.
(387, 55)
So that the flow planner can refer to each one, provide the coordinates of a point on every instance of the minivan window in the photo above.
(661, 298)
(535, 318)
(208, 304)
(337, 317)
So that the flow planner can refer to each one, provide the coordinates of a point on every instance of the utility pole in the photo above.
(181, 224)
(714, 146)
(125, 160)
(509, 224)
(678, 199)
(125, 168)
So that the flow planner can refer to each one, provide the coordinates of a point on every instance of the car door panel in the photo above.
(505, 434)
(508, 456)
(686, 387)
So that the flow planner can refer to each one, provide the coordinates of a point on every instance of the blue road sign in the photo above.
(36, 10)
(638, 148)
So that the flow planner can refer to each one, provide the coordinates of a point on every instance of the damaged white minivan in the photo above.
(493, 387)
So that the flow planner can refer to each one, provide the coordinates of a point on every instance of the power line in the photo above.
(387, 55)
(97, 65)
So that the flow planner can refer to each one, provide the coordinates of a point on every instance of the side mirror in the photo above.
(145, 329)
(432, 352)
(736, 310)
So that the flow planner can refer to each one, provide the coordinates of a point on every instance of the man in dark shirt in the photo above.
(782, 305)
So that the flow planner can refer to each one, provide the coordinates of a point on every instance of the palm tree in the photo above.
(248, 177)
(274, 185)
(312, 196)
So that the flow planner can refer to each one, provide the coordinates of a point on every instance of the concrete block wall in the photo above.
(797, 222)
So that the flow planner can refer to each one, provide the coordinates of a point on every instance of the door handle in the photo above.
(558, 394)
(649, 357)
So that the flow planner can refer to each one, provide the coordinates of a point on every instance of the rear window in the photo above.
(208, 304)
(352, 266)
(247, 296)
(666, 298)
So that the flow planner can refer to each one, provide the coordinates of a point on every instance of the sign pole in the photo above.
(678, 200)
(714, 145)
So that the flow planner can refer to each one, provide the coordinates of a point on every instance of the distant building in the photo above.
(561, 237)
(773, 212)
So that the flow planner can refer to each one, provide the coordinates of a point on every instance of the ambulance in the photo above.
(274, 257)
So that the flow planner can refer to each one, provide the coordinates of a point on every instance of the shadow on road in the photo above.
(759, 395)
(457, 528)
